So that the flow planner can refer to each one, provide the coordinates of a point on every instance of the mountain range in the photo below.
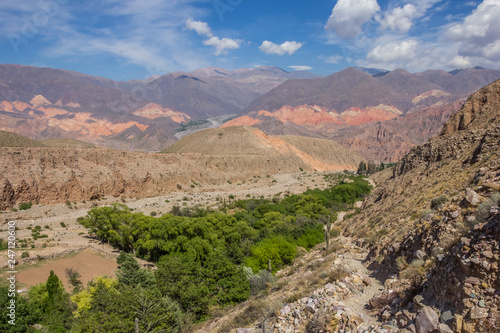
(377, 113)
(380, 116)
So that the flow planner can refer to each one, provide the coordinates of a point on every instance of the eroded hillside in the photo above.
(50, 175)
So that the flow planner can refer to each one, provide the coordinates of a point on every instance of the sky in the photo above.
(135, 39)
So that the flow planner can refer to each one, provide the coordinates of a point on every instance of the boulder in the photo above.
(443, 328)
(478, 313)
(427, 320)
(472, 197)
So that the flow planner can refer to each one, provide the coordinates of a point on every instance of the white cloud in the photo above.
(287, 47)
(201, 28)
(348, 17)
(399, 51)
(301, 68)
(401, 18)
(334, 59)
(222, 45)
(479, 34)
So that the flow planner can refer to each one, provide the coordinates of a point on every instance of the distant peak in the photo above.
(271, 68)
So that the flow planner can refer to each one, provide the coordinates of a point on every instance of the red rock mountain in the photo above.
(140, 114)
(381, 116)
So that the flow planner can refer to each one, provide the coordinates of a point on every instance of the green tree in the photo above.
(130, 273)
(198, 285)
(362, 168)
(26, 314)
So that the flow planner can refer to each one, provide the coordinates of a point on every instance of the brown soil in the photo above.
(87, 262)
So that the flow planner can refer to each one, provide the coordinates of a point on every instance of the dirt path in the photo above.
(358, 303)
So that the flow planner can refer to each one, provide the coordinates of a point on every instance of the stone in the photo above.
(482, 304)
(447, 317)
(455, 214)
(472, 280)
(311, 307)
(418, 301)
(285, 311)
(412, 328)
(458, 323)
(443, 328)
(437, 250)
(488, 254)
(356, 279)
(420, 254)
(470, 219)
(469, 328)
(472, 197)
(478, 313)
(242, 330)
(386, 315)
(495, 210)
(427, 320)
(330, 286)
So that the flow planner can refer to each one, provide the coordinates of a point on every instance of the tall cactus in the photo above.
(327, 228)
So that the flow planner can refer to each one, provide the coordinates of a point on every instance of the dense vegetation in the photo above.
(205, 259)
(185, 127)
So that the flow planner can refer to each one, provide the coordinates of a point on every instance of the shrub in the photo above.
(414, 272)
(64, 224)
(25, 205)
(260, 281)
(277, 249)
(153, 213)
(401, 263)
(337, 273)
(301, 252)
(25, 254)
(483, 210)
(438, 202)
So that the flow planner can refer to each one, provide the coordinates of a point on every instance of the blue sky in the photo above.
(134, 39)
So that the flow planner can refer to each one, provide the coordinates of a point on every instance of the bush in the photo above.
(25, 205)
(260, 281)
(153, 213)
(414, 272)
(63, 224)
(277, 249)
(483, 210)
(438, 202)
(301, 252)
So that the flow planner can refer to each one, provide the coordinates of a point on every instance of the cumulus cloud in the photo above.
(222, 45)
(201, 28)
(300, 68)
(287, 47)
(397, 51)
(401, 18)
(348, 17)
(479, 33)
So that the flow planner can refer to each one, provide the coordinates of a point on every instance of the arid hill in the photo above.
(322, 155)
(51, 175)
(434, 221)
(66, 143)
(8, 139)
